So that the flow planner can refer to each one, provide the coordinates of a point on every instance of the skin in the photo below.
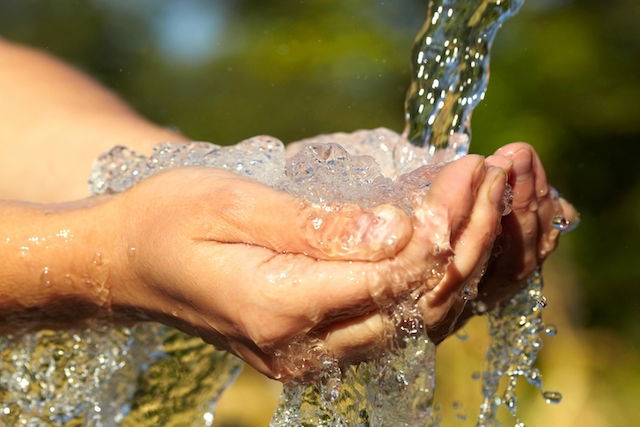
(193, 248)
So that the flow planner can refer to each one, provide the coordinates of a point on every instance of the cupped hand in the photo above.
(252, 269)
(528, 235)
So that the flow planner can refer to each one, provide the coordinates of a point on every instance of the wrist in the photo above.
(57, 263)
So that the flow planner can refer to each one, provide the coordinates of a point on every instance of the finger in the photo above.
(542, 185)
(256, 214)
(520, 228)
(452, 194)
(359, 338)
(298, 292)
(497, 160)
(295, 292)
(523, 177)
(473, 247)
(554, 210)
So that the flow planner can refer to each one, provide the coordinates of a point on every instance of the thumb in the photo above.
(256, 214)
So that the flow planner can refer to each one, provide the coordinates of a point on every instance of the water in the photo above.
(450, 70)
(154, 375)
(515, 330)
(328, 173)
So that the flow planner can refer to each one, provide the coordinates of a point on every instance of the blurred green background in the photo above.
(565, 77)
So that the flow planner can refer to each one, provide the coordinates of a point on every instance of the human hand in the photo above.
(242, 265)
(527, 236)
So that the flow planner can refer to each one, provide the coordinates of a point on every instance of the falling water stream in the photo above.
(153, 375)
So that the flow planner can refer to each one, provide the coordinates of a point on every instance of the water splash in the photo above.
(515, 331)
(450, 61)
(396, 388)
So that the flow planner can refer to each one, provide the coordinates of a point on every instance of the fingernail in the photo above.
(496, 191)
(522, 162)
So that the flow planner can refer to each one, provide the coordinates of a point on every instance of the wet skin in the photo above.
(238, 263)
(229, 259)
(255, 280)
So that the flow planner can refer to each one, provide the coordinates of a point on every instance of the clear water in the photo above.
(515, 331)
(398, 386)
(154, 375)
(450, 71)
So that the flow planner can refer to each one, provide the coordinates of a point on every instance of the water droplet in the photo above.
(470, 290)
(552, 396)
(402, 379)
(479, 307)
(131, 252)
(541, 301)
(560, 223)
(475, 375)
(68, 280)
(97, 258)
(551, 330)
(45, 278)
(317, 223)
(534, 378)
(208, 418)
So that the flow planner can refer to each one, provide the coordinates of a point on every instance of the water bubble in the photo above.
(550, 330)
(479, 307)
(533, 377)
(46, 278)
(560, 223)
(208, 418)
(470, 290)
(402, 379)
(317, 223)
(476, 375)
(97, 259)
(552, 397)
(541, 301)
(131, 252)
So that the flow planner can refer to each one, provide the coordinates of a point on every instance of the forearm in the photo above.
(54, 121)
(55, 264)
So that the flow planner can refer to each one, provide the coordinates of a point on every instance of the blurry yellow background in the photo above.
(564, 78)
